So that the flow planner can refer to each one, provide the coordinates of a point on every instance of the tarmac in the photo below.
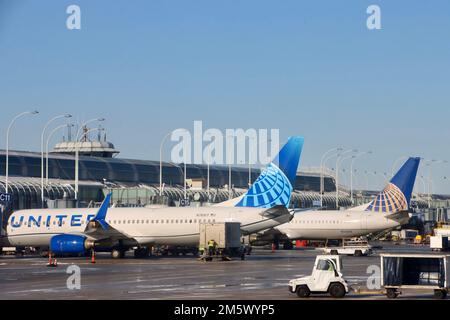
(262, 276)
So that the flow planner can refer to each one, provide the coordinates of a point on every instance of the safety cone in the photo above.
(273, 247)
(93, 256)
(52, 262)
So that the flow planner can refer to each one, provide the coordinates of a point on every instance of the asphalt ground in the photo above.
(262, 276)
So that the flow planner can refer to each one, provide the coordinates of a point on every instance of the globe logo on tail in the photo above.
(391, 199)
(270, 189)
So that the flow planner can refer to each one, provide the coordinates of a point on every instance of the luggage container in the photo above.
(422, 272)
(227, 239)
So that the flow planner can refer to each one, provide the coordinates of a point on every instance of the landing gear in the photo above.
(141, 253)
(117, 253)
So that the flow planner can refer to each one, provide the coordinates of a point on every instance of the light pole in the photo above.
(322, 162)
(160, 162)
(7, 142)
(229, 170)
(77, 140)
(47, 147)
(430, 175)
(185, 172)
(424, 186)
(163, 141)
(351, 171)
(430, 187)
(208, 174)
(249, 161)
(339, 159)
(42, 150)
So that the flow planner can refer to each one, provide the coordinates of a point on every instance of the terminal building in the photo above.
(135, 182)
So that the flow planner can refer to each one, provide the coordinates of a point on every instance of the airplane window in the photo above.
(167, 220)
(133, 222)
(157, 221)
(185, 221)
(137, 221)
(153, 221)
(171, 221)
(147, 221)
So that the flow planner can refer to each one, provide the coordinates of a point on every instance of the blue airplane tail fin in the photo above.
(396, 197)
(276, 183)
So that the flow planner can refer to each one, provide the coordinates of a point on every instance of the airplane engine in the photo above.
(70, 244)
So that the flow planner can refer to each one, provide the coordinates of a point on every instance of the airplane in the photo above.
(389, 210)
(77, 231)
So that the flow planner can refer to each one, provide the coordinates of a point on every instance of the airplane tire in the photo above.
(303, 292)
(358, 253)
(117, 254)
(337, 290)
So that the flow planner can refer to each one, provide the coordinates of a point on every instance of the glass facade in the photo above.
(135, 172)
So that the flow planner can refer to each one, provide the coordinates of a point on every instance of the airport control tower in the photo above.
(88, 147)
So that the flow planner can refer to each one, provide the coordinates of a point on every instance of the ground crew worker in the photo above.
(211, 247)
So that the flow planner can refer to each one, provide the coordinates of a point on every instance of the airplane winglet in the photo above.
(101, 214)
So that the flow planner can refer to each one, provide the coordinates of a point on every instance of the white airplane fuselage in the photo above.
(142, 226)
(320, 225)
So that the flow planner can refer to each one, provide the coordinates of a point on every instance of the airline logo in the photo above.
(272, 188)
(391, 199)
(74, 220)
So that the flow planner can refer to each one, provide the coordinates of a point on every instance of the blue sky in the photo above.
(306, 67)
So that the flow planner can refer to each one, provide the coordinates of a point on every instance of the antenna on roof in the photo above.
(69, 133)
